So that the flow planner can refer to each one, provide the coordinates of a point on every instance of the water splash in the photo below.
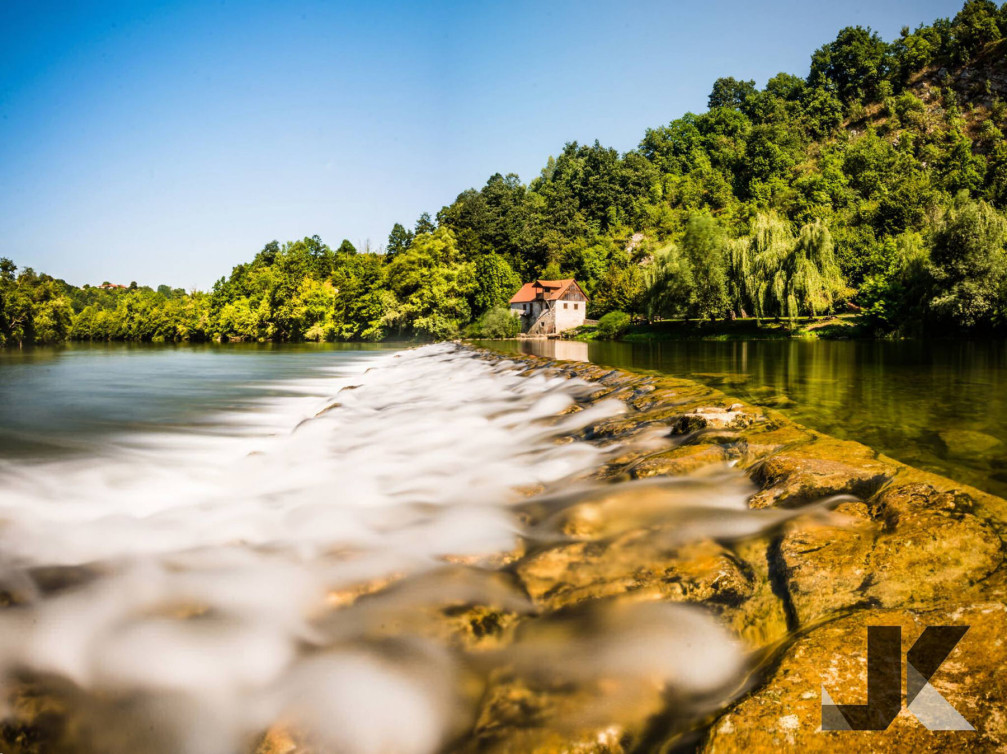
(208, 580)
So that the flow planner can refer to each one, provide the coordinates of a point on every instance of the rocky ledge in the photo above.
(900, 547)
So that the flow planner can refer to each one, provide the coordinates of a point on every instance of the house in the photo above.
(547, 307)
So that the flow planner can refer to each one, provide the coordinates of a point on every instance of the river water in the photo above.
(186, 533)
(938, 405)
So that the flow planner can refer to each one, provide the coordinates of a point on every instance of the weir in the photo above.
(445, 549)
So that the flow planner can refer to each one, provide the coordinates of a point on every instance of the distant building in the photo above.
(547, 307)
(111, 286)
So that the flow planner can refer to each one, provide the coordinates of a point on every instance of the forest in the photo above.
(877, 184)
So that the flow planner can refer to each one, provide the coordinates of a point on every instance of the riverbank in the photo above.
(822, 328)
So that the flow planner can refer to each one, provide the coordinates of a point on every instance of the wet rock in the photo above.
(905, 548)
(763, 440)
(713, 417)
(684, 459)
(785, 713)
(824, 567)
(912, 546)
(931, 549)
(637, 564)
(819, 469)
(278, 740)
(518, 717)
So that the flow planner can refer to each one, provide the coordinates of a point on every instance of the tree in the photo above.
(975, 26)
(424, 225)
(398, 241)
(612, 325)
(496, 282)
(621, 288)
(499, 322)
(780, 275)
(731, 93)
(346, 248)
(667, 284)
(853, 66)
(895, 298)
(704, 248)
(970, 264)
(432, 287)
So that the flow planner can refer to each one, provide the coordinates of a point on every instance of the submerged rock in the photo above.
(966, 443)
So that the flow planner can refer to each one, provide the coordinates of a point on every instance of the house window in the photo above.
(564, 305)
(575, 306)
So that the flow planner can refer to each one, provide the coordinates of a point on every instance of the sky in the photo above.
(166, 142)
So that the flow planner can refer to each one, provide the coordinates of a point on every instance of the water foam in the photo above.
(196, 577)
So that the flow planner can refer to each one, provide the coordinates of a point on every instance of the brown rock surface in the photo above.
(785, 712)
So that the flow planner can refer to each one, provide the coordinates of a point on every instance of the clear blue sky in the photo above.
(165, 142)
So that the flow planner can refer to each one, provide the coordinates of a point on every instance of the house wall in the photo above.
(571, 312)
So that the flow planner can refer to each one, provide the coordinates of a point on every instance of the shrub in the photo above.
(498, 322)
(612, 325)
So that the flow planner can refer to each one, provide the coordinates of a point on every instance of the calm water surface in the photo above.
(938, 405)
(74, 398)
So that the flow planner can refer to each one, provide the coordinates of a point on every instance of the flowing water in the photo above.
(189, 538)
(938, 405)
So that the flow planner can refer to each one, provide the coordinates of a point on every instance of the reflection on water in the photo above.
(938, 405)
(569, 350)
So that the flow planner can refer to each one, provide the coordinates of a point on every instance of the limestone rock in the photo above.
(785, 713)
(822, 468)
(911, 547)
(634, 563)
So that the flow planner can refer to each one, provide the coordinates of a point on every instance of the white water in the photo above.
(257, 521)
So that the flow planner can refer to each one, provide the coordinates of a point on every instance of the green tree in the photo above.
(784, 276)
(705, 249)
(398, 241)
(499, 322)
(613, 325)
(424, 225)
(975, 26)
(853, 66)
(432, 287)
(668, 284)
(731, 93)
(970, 264)
(495, 282)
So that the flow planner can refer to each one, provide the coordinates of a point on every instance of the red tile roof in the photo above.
(551, 290)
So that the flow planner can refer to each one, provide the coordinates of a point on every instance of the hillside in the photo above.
(879, 178)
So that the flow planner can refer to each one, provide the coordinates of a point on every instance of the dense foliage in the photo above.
(878, 182)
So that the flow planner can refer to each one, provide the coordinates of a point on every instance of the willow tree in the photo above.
(704, 248)
(668, 284)
(782, 275)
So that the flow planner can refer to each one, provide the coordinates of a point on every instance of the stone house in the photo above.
(547, 307)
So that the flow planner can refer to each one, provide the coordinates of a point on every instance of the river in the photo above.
(390, 549)
(190, 538)
(938, 405)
